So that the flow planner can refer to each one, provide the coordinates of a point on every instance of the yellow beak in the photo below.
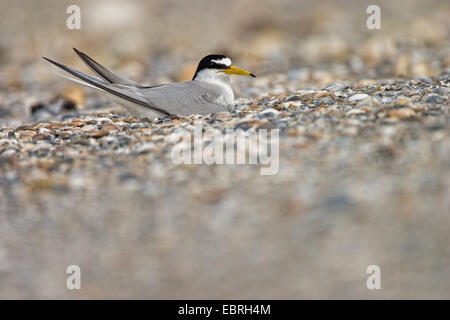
(238, 71)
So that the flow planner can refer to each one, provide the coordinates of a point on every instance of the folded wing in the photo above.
(186, 98)
(122, 93)
(106, 74)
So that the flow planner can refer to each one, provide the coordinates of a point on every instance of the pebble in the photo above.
(268, 113)
(334, 87)
(8, 153)
(435, 99)
(90, 127)
(98, 133)
(145, 148)
(357, 97)
(401, 113)
(355, 112)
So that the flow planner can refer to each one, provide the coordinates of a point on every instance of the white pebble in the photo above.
(8, 153)
(43, 130)
(269, 111)
(358, 96)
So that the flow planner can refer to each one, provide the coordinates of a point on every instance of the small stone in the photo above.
(255, 107)
(268, 113)
(321, 94)
(334, 87)
(8, 153)
(43, 131)
(323, 101)
(245, 125)
(355, 112)
(156, 138)
(62, 135)
(364, 83)
(25, 127)
(27, 135)
(306, 94)
(77, 123)
(103, 120)
(145, 148)
(358, 96)
(88, 128)
(75, 94)
(222, 115)
(403, 101)
(267, 126)
(55, 126)
(401, 113)
(39, 136)
(110, 127)
(435, 99)
(98, 133)
(344, 93)
(442, 90)
(131, 120)
(293, 98)
(11, 135)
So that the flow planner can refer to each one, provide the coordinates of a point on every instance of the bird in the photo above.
(208, 92)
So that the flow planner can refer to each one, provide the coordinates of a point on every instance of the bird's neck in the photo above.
(218, 79)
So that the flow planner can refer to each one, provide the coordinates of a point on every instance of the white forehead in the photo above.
(225, 61)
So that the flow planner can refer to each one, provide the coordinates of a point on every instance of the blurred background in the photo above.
(141, 227)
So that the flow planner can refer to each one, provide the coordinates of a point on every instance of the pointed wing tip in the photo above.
(59, 65)
(51, 61)
(78, 52)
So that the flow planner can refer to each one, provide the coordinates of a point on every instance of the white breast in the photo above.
(221, 80)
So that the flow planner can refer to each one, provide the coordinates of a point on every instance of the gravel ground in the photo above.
(364, 179)
(364, 168)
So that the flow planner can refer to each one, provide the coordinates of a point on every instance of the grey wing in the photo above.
(186, 98)
(130, 97)
(100, 70)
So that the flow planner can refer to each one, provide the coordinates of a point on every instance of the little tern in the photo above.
(209, 91)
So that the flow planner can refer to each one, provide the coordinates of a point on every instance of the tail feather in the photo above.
(106, 74)
(77, 80)
(129, 94)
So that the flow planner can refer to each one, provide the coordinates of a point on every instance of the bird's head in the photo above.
(217, 67)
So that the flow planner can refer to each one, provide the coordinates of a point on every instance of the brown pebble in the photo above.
(404, 102)
(25, 128)
(98, 133)
(55, 126)
(39, 136)
(62, 135)
(222, 115)
(110, 127)
(321, 94)
(77, 123)
(75, 94)
(267, 125)
(401, 113)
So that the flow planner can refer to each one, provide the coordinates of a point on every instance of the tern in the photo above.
(208, 92)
